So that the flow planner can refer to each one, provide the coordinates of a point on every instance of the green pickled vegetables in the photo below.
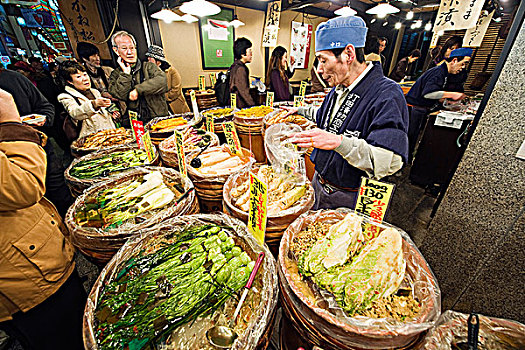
(154, 292)
(109, 164)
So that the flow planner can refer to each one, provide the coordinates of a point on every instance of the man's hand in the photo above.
(126, 68)
(8, 110)
(457, 96)
(291, 110)
(102, 102)
(133, 95)
(317, 138)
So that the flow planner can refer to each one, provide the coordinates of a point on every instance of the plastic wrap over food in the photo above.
(223, 161)
(293, 199)
(149, 218)
(451, 332)
(319, 310)
(284, 156)
(168, 149)
(254, 322)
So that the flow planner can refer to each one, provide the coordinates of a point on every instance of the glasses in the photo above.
(126, 49)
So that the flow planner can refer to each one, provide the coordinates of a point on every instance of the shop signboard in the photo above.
(217, 40)
(138, 131)
(271, 25)
(373, 200)
(474, 36)
(300, 44)
(458, 14)
(257, 213)
(5, 60)
(37, 18)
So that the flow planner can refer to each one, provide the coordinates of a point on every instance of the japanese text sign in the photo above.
(138, 131)
(133, 116)
(298, 101)
(213, 79)
(302, 89)
(257, 213)
(474, 36)
(458, 14)
(202, 82)
(210, 125)
(233, 99)
(232, 139)
(180, 153)
(271, 25)
(373, 200)
(270, 96)
(148, 146)
(194, 105)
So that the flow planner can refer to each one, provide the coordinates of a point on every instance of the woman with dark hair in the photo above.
(83, 103)
(399, 72)
(174, 96)
(240, 74)
(277, 77)
(452, 43)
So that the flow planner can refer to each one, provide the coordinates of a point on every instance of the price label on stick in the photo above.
(373, 200)
(270, 95)
(202, 82)
(210, 125)
(298, 101)
(257, 213)
(213, 79)
(194, 105)
(231, 138)
(302, 89)
(138, 131)
(148, 146)
(233, 99)
(180, 153)
(133, 116)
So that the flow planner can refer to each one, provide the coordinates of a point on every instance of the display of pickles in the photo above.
(281, 117)
(284, 191)
(107, 138)
(168, 124)
(219, 161)
(109, 164)
(170, 282)
(218, 113)
(112, 207)
(254, 112)
(193, 139)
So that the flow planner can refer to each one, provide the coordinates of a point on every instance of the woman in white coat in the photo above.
(83, 103)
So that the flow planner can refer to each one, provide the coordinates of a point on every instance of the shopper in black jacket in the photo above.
(400, 71)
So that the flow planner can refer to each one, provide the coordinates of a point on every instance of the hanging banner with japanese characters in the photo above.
(82, 21)
(435, 39)
(458, 14)
(258, 208)
(373, 200)
(300, 44)
(474, 36)
(271, 26)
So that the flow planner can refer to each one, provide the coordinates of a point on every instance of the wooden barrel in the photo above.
(218, 122)
(249, 130)
(205, 99)
(276, 224)
(209, 187)
(322, 325)
(158, 136)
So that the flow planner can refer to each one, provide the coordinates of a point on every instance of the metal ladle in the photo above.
(224, 336)
(196, 162)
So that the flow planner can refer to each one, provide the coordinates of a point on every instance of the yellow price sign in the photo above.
(257, 213)
(150, 150)
(270, 96)
(373, 200)
(302, 89)
(213, 79)
(202, 82)
(231, 138)
(298, 101)
(180, 153)
(133, 116)
(210, 125)
(233, 99)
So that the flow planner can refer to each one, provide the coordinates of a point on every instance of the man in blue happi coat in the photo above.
(361, 125)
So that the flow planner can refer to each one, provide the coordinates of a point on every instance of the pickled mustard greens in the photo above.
(355, 271)
(155, 292)
(109, 164)
(111, 207)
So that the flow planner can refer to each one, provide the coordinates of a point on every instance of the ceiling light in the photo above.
(397, 25)
(428, 26)
(166, 14)
(345, 11)
(381, 15)
(382, 9)
(410, 15)
(201, 8)
(413, 26)
(418, 23)
(405, 0)
(385, 24)
(236, 23)
(440, 33)
(372, 20)
(189, 18)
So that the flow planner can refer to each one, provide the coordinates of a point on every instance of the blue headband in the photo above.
(461, 52)
(338, 32)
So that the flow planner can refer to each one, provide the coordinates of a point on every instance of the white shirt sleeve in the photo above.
(308, 112)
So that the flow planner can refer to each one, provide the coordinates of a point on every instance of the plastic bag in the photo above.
(318, 311)
(264, 293)
(283, 155)
(494, 333)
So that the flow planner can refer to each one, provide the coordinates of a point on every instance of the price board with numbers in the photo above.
(270, 96)
(373, 200)
(138, 131)
(233, 99)
(213, 79)
(133, 116)
(148, 146)
(232, 140)
(210, 123)
(302, 89)
(257, 213)
(194, 105)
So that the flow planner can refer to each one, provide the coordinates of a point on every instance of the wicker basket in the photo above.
(77, 149)
(169, 155)
(77, 186)
(100, 245)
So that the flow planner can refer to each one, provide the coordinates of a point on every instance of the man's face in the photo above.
(382, 45)
(93, 61)
(126, 49)
(458, 66)
(249, 55)
(333, 69)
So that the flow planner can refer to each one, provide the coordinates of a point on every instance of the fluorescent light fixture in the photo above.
(410, 14)
(236, 23)
(345, 11)
(189, 18)
(382, 9)
(397, 25)
(166, 14)
(428, 26)
(201, 8)
(372, 20)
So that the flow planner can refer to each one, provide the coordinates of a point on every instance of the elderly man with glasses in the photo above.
(142, 85)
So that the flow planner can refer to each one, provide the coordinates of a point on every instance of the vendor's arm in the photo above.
(309, 112)
(438, 95)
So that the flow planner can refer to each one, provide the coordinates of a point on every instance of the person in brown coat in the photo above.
(174, 96)
(240, 74)
(41, 296)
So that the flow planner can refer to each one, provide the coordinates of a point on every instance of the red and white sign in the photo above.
(219, 53)
(138, 129)
(300, 44)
